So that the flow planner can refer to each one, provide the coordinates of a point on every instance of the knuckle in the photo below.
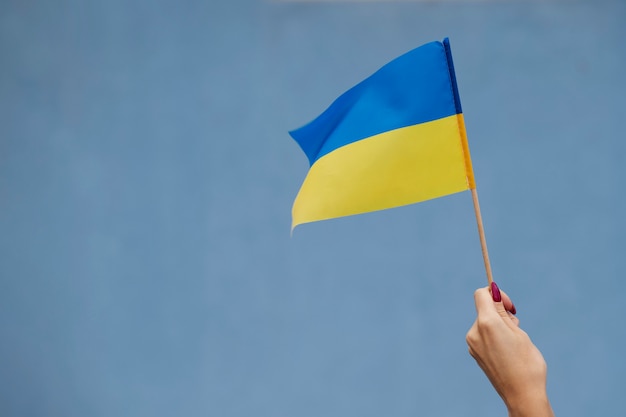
(471, 338)
(486, 321)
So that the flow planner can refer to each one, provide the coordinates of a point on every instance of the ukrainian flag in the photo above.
(396, 138)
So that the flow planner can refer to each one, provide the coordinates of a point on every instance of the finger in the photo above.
(496, 295)
(508, 304)
(485, 306)
(483, 301)
(498, 305)
(499, 295)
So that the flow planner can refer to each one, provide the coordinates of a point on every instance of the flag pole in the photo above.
(471, 182)
(481, 234)
(469, 170)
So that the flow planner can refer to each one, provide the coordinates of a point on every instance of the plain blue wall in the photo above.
(146, 183)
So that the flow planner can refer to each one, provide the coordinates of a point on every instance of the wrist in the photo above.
(536, 405)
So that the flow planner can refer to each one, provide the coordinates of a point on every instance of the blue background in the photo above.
(146, 183)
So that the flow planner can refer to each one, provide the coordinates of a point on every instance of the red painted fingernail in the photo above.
(495, 292)
(513, 310)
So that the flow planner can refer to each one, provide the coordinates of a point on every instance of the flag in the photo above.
(396, 138)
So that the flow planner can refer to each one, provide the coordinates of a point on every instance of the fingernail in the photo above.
(495, 292)
(513, 310)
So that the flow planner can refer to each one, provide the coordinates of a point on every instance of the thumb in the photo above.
(498, 303)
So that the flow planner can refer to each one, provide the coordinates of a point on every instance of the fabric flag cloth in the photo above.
(396, 138)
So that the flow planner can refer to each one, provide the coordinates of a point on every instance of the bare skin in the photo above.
(505, 353)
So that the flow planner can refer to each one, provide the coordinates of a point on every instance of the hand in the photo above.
(507, 356)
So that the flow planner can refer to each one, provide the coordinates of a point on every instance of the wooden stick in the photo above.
(481, 233)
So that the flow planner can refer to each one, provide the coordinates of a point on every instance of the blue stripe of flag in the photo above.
(417, 87)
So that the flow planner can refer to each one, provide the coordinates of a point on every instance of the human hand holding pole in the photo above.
(505, 353)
